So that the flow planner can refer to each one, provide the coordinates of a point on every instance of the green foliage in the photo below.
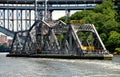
(62, 18)
(105, 7)
(113, 40)
(60, 37)
(103, 37)
(118, 12)
(80, 14)
(117, 50)
(4, 48)
(110, 25)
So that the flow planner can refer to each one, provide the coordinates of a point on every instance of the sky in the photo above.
(57, 14)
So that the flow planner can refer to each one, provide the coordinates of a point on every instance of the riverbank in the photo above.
(116, 53)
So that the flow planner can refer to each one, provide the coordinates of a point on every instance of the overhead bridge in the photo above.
(50, 4)
(19, 15)
(7, 32)
(72, 7)
(51, 1)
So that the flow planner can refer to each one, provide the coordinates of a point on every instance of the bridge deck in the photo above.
(51, 1)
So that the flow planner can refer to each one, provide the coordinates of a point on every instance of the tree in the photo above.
(117, 50)
(110, 25)
(113, 40)
(118, 11)
(103, 37)
(62, 18)
(4, 48)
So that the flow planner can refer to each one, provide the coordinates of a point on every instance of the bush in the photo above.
(117, 50)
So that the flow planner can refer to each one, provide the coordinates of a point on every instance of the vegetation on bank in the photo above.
(4, 48)
(106, 20)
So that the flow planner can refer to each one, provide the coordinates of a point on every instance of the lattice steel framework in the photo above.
(56, 37)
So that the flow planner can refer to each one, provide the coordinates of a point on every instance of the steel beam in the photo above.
(50, 8)
(7, 32)
(51, 1)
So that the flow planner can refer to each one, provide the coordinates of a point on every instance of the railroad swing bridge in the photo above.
(30, 24)
(59, 38)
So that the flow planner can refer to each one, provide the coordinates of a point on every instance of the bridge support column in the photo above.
(35, 6)
(40, 14)
(4, 18)
(12, 20)
(67, 16)
(49, 15)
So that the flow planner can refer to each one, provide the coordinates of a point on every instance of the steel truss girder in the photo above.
(46, 38)
(54, 38)
(91, 29)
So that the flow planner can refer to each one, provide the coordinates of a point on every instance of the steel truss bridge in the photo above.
(30, 24)
(58, 38)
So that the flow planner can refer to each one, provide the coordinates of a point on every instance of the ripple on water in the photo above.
(43, 67)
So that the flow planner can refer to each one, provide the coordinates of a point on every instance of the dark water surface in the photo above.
(43, 67)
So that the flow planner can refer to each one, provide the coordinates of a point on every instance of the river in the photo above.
(44, 67)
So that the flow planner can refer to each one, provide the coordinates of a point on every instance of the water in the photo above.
(37, 67)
